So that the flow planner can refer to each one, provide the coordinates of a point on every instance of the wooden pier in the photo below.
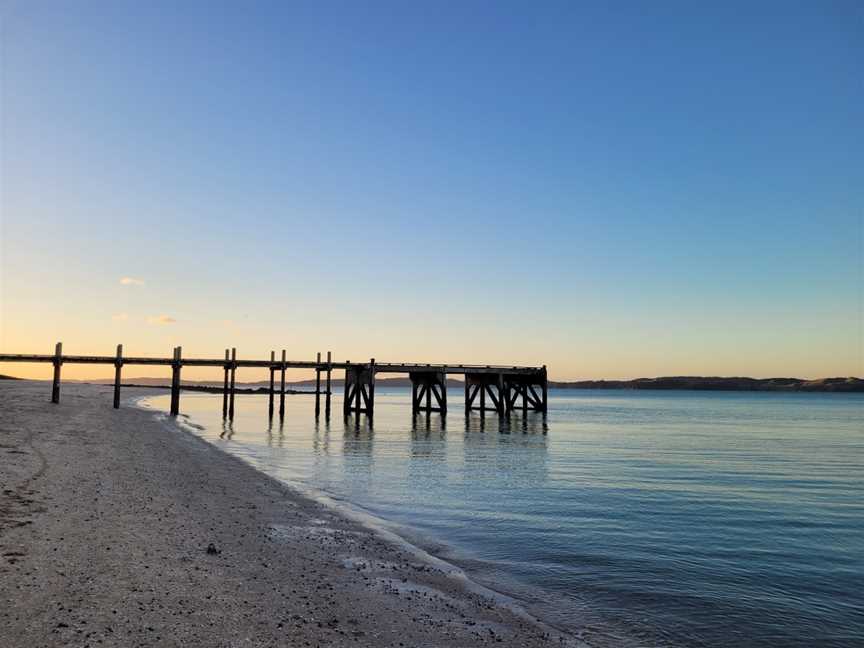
(487, 388)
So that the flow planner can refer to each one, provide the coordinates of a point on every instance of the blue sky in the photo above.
(613, 189)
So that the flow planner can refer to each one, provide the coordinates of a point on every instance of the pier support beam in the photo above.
(532, 389)
(272, 380)
(370, 402)
(227, 367)
(485, 385)
(318, 385)
(327, 396)
(359, 389)
(58, 360)
(282, 389)
(175, 382)
(231, 386)
(118, 364)
(424, 386)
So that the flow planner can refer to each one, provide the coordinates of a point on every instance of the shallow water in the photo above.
(651, 518)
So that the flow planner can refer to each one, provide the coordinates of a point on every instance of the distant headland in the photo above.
(702, 383)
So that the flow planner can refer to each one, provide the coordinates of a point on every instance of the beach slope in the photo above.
(118, 529)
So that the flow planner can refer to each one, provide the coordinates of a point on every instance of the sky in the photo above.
(614, 190)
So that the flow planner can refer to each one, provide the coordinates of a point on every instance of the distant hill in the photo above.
(701, 383)
(2, 377)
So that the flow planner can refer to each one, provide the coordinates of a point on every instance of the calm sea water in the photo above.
(633, 518)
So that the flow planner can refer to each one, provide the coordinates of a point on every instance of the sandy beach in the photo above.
(117, 529)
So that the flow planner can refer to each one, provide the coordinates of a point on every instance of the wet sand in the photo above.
(117, 529)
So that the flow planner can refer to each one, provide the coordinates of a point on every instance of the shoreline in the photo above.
(108, 516)
(391, 532)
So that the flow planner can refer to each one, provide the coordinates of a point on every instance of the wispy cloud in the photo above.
(131, 281)
(160, 319)
(120, 317)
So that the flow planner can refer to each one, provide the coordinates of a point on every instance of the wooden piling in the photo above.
(545, 390)
(272, 378)
(483, 389)
(501, 395)
(467, 396)
(118, 363)
(225, 386)
(358, 391)
(318, 385)
(58, 360)
(443, 403)
(175, 382)
(231, 386)
(327, 396)
(346, 399)
(370, 405)
(282, 389)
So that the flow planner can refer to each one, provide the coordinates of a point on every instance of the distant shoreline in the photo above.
(700, 383)
(686, 383)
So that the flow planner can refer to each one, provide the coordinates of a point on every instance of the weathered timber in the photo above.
(327, 397)
(348, 386)
(424, 386)
(282, 388)
(55, 385)
(525, 386)
(272, 378)
(175, 382)
(383, 367)
(370, 402)
(118, 365)
(231, 386)
(227, 368)
(318, 386)
(359, 389)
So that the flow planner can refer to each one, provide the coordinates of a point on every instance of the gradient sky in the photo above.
(614, 189)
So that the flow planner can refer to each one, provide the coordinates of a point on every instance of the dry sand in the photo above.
(106, 517)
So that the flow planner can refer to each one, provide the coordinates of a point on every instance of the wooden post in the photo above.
(429, 388)
(175, 382)
(233, 378)
(501, 395)
(358, 390)
(282, 389)
(225, 387)
(272, 378)
(318, 385)
(327, 396)
(58, 360)
(118, 363)
(370, 406)
(483, 389)
(524, 400)
(467, 396)
(545, 390)
(443, 395)
(346, 401)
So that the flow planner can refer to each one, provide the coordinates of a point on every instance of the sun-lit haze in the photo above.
(672, 190)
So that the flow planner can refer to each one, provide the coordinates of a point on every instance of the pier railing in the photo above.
(502, 385)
